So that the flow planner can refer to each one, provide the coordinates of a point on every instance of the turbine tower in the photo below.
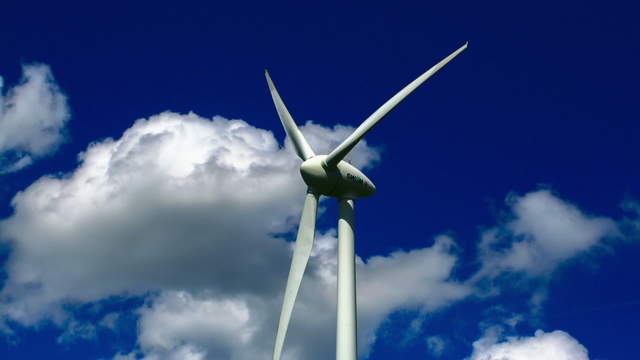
(329, 175)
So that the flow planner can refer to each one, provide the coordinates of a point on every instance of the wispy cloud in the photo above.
(541, 232)
(33, 115)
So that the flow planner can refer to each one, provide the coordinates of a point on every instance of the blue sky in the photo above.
(147, 196)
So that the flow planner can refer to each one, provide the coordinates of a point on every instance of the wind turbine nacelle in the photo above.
(343, 181)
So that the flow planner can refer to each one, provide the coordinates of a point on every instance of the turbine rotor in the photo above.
(343, 181)
(329, 175)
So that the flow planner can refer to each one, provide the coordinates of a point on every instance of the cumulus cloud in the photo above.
(557, 345)
(187, 209)
(246, 330)
(213, 327)
(33, 115)
(179, 324)
(543, 230)
(172, 204)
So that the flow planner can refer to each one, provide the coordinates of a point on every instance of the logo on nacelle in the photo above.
(357, 179)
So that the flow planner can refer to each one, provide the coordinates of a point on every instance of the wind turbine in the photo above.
(329, 175)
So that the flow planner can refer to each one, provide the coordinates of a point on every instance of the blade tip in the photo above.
(269, 81)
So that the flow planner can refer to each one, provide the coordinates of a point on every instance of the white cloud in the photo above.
(172, 204)
(219, 327)
(544, 231)
(556, 345)
(195, 321)
(162, 207)
(32, 118)
(420, 278)
(186, 208)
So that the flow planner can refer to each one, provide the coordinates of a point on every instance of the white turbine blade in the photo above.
(304, 243)
(303, 149)
(343, 149)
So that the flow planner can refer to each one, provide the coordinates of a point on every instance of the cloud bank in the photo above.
(192, 214)
(184, 210)
(33, 115)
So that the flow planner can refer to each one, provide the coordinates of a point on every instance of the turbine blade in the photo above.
(303, 149)
(343, 149)
(304, 243)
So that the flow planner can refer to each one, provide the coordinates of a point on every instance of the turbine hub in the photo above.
(344, 181)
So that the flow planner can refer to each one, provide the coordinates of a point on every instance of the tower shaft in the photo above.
(346, 342)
